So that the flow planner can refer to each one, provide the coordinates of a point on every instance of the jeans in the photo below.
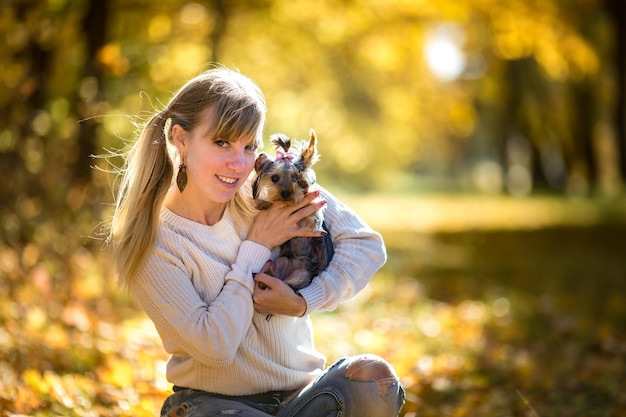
(359, 386)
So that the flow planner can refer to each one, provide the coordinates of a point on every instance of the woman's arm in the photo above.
(210, 332)
(359, 253)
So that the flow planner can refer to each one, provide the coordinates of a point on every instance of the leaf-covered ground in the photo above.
(517, 323)
(477, 320)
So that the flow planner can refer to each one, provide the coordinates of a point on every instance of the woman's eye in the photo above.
(252, 147)
(221, 143)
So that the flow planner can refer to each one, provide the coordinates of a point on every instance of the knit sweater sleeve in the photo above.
(359, 253)
(192, 322)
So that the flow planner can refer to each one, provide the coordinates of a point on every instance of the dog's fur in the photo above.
(287, 178)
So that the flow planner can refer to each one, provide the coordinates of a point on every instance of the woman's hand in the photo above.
(273, 296)
(279, 223)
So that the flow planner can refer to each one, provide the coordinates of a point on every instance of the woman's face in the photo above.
(216, 167)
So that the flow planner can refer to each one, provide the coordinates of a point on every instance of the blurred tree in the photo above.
(94, 27)
(49, 83)
(28, 52)
(616, 10)
(221, 10)
(358, 74)
(393, 88)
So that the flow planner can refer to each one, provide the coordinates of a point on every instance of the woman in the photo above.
(192, 256)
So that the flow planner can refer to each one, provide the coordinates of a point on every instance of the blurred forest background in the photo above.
(485, 139)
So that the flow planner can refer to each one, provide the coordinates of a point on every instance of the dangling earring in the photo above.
(181, 177)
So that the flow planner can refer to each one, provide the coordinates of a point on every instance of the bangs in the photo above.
(240, 118)
(236, 104)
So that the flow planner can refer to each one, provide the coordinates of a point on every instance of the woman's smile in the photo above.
(228, 180)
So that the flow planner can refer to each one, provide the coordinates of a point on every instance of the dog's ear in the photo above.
(262, 162)
(255, 187)
(280, 140)
(309, 154)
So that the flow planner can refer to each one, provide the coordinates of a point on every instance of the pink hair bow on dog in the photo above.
(286, 156)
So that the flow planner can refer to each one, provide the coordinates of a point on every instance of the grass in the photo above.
(486, 307)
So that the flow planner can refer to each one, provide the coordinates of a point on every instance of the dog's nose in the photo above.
(285, 195)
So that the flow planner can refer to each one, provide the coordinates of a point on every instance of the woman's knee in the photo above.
(358, 386)
(373, 368)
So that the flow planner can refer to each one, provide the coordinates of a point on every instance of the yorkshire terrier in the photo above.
(287, 178)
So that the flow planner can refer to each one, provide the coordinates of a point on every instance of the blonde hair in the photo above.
(149, 168)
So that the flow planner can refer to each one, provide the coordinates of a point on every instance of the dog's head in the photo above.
(288, 176)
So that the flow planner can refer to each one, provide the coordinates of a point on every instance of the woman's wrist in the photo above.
(256, 238)
(302, 306)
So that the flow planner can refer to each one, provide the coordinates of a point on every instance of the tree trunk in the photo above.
(582, 128)
(94, 27)
(219, 7)
(616, 10)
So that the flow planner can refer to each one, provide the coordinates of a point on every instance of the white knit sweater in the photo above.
(196, 286)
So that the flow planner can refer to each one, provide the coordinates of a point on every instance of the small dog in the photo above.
(288, 178)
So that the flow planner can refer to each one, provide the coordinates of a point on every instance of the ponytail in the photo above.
(144, 183)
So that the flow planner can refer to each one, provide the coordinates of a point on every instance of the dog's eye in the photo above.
(275, 178)
(294, 178)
